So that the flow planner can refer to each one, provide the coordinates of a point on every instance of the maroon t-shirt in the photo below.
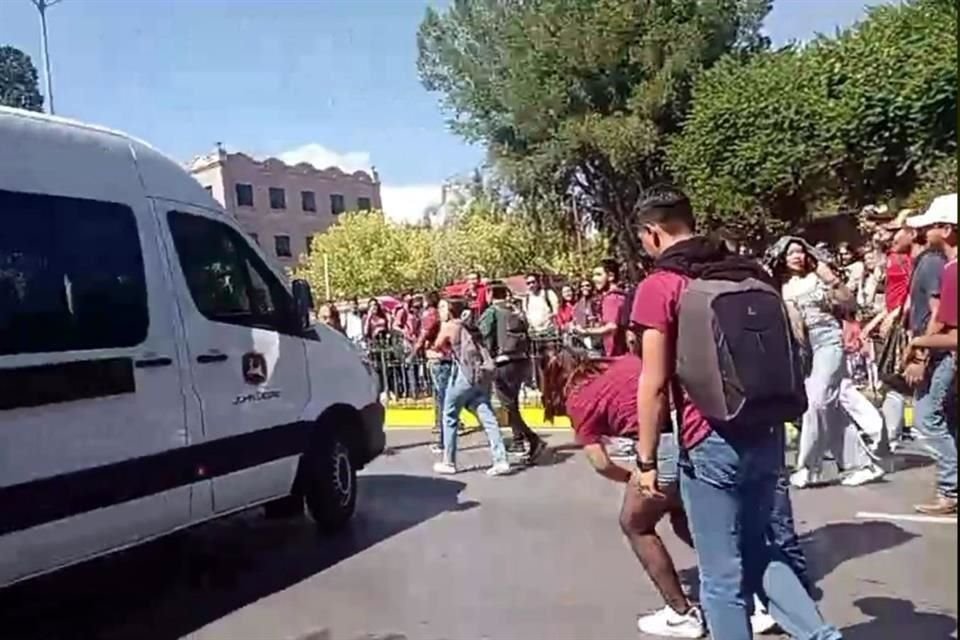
(611, 302)
(947, 311)
(656, 305)
(606, 405)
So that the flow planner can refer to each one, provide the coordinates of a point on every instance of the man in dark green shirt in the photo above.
(505, 334)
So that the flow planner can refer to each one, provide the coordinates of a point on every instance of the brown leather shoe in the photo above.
(942, 507)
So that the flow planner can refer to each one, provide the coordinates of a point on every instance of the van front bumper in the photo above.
(374, 437)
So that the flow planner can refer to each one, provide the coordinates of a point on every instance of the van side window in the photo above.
(228, 282)
(71, 275)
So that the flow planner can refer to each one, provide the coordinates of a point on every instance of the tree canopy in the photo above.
(576, 98)
(368, 255)
(18, 80)
(846, 121)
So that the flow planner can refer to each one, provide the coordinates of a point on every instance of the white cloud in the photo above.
(321, 158)
(401, 203)
(405, 203)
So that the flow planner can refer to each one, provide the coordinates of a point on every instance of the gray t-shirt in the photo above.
(924, 284)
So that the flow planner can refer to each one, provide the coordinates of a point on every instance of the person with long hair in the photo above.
(812, 291)
(599, 396)
(376, 322)
(329, 315)
(464, 391)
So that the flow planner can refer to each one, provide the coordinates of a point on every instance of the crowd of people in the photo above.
(698, 366)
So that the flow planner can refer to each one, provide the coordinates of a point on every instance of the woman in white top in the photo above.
(812, 289)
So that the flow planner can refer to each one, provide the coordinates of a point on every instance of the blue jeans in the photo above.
(439, 378)
(728, 486)
(463, 395)
(931, 421)
(783, 532)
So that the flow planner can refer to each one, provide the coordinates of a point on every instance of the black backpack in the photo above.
(512, 334)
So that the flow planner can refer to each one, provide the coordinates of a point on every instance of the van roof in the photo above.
(162, 176)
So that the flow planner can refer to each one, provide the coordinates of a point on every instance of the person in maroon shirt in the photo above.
(565, 312)
(728, 480)
(606, 278)
(599, 396)
(477, 296)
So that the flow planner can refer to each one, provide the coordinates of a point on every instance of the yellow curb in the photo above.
(422, 417)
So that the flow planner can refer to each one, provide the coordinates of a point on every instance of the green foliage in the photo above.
(575, 98)
(368, 255)
(18, 80)
(849, 120)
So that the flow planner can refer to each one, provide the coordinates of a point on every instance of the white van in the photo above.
(155, 370)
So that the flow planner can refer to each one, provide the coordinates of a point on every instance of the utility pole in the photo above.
(42, 6)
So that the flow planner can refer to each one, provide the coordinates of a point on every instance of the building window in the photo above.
(363, 204)
(309, 243)
(336, 204)
(244, 194)
(281, 245)
(278, 198)
(308, 201)
(71, 275)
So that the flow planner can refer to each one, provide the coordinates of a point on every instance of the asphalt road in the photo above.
(530, 556)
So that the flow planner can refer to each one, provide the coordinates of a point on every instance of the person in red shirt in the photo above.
(599, 397)
(565, 311)
(477, 296)
(898, 270)
(606, 278)
(728, 481)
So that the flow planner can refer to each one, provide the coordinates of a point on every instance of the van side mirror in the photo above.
(302, 301)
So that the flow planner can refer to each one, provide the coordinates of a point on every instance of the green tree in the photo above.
(368, 255)
(845, 121)
(18, 80)
(574, 99)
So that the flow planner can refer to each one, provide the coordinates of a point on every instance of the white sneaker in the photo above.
(444, 468)
(761, 621)
(669, 624)
(863, 476)
(805, 477)
(436, 449)
(499, 469)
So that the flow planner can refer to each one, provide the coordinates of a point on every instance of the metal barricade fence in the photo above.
(405, 377)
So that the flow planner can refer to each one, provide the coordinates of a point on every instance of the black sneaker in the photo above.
(536, 450)
(517, 446)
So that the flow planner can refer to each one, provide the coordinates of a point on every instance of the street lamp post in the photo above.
(42, 6)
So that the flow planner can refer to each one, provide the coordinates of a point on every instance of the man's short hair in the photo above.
(668, 207)
(499, 291)
(611, 266)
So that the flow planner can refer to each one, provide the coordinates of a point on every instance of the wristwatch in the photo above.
(646, 466)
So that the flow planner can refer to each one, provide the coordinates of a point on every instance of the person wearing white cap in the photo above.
(931, 371)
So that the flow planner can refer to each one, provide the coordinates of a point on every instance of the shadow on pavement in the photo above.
(833, 544)
(173, 586)
(894, 619)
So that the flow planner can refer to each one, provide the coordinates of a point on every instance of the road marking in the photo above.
(869, 515)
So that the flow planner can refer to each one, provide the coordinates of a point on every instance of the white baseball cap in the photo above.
(943, 210)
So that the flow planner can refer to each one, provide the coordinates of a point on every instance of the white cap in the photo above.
(943, 210)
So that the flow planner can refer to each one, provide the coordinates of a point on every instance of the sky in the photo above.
(331, 82)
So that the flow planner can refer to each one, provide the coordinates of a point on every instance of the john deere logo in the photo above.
(254, 368)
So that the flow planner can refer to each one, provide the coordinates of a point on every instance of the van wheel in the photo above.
(330, 484)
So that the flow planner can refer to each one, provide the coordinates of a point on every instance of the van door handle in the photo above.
(152, 363)
(211, 357)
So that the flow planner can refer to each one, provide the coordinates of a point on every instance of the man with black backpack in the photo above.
(505, 334)
(731, 396)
